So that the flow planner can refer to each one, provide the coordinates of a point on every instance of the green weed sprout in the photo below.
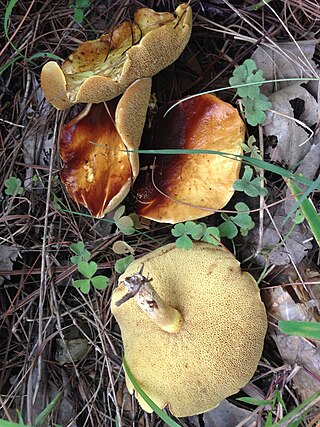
(251, 149)
(13, 186)
(254, 102)
(122, 263)
(79, 6)
(82, 254)
(273, 402)
(251, 187)
(188, 231)
(87, 269)
(243, 220)
(124, 223)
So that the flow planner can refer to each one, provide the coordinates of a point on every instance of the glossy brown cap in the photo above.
(102, 69)
(97, 171)
(181, 187)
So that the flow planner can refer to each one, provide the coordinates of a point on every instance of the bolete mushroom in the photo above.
(199, 335)
(102, 69)
(98, 168)
(182, 187)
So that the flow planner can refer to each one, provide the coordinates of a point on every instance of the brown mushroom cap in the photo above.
(102, 69)
(97, 170)
(220, 342)
(190, 186)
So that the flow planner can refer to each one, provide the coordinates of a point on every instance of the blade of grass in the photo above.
(307, 208)
(41, 418)
(4, 423)
(168, 420)
(35, 56)
(7, 14)
(220, 89)
(301, 329)
(249, 160)
(297, 411)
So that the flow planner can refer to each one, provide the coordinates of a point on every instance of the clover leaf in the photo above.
(254, 102)
(243, 220)
(124, 223)
(82, 254)
(197, 232)
(250, 188)
(228, 228)
(13, 186)
(83, 285)
(212, 236)
(255, 109)
(87, 269)
(184, 230)
(100, 282)
(247, 74)
(122, 263)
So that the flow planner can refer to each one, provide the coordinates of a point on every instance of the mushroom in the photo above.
(183, 187)
(98, 168)
(192, 324)
(102, 69)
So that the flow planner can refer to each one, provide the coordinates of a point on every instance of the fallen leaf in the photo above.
(37, 148)
(285, 60)
(296, 244)
(73, 350)
(293, 139)
(225, 415)
(294, 350)
(120, 247)
(308, 167)
(8, 255)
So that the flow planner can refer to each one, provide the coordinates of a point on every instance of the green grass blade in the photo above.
(296, 411)
(8, 64)
(301, 329)
(307, 208)
(4, 423)
(45, 55)
(7, 14)
(222, 89)
(168, 420)
(41, 418)
(302, 197)
(248, 160)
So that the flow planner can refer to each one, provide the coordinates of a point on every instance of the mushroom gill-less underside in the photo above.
(181, 187)
(102, 69)
(98, 171)
(218, 347)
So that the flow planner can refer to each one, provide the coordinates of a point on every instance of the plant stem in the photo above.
(162, 314)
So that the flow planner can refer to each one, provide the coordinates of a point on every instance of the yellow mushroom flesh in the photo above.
(102, 69)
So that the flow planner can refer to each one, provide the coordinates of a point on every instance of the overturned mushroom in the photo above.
(181, 187)
(102, 69)
(98, 170)
(192, 324)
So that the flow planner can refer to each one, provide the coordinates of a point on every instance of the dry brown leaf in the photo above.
(285, 60)
(293, 139)
(294, 350)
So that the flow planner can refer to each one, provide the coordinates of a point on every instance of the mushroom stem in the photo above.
(162, 314)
